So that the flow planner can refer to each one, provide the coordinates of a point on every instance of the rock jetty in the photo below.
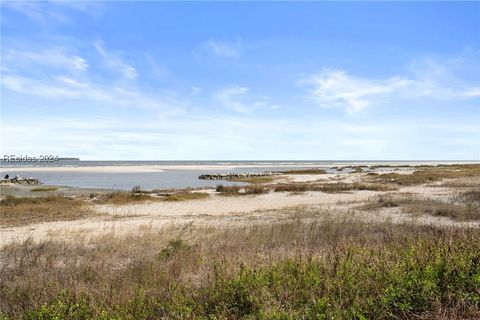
(19, 180)
(226, 176)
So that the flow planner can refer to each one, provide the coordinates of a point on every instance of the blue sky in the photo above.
(225, 80)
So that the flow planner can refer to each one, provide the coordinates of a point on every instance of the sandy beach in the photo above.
(218, 210)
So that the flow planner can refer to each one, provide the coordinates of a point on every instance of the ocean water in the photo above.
(168, 178)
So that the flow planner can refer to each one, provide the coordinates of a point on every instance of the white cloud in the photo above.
(230, 97)
(113, 61)
(472, 92)
(56, 57)
(334, 88)
(46, 11)
(59, 73)
(224, 49)
(195, 90)
(239, 99)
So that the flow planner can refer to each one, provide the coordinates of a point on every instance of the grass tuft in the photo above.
(44, 189)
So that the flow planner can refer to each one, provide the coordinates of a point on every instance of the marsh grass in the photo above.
(326, 269)
(44, 189)
(20, 211)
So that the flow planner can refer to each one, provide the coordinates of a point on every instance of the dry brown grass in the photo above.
(16, 211)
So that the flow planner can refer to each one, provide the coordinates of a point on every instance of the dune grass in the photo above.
(20, 211)
(430, 174)
(44, 189)
(254, 180)
(326, 269)
(125, 197)
(185, 196)
(336, 187)
(465, 207)
(255, 189)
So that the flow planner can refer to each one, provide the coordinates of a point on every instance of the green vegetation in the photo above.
(20, 211)
(44, 189)
(291, 270)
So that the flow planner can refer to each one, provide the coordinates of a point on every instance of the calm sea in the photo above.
(168, 178)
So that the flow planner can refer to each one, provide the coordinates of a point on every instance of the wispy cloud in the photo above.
(56, 57)
(224, 49)
(230, 97)
(59, 73)
(113, 61)
(46, 11)
(336, 88)
(239, 99)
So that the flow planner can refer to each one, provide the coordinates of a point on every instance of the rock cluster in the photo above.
(19, 180)
(226, 176)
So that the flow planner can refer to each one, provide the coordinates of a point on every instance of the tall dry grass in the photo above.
(21, 211)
